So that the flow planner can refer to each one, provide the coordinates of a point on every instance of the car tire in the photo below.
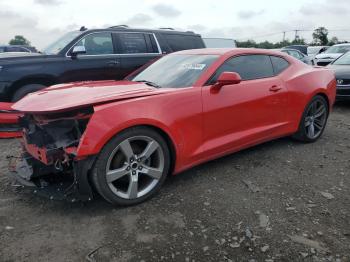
(313, 121)
(25, 90)
(132, 166)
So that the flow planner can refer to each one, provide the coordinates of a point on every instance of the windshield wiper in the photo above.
(149, 83)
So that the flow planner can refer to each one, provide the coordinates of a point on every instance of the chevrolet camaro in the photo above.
(121, 139)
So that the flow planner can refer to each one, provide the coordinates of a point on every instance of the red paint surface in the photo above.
(203, 123)
(8, 118)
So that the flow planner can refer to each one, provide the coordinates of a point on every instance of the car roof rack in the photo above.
(166, 28)
(119, 26)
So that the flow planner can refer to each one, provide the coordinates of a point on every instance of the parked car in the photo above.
(219, 42)
(298, 55)
(331, 54)
(301, 48)
(17, 48)
(84, 55)
(124, 137)
(313, 51)
(341, 66)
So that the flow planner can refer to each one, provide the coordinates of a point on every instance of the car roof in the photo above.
(345, 44)
(132, 29)
(228, 51)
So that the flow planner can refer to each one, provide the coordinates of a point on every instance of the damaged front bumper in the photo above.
(49, 163)
(9, 127)
(52, 183)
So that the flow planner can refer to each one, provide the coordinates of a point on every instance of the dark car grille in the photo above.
(343, 82)
(343, 92)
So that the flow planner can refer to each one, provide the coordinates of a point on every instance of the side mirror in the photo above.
(228, 78)
(78, 50)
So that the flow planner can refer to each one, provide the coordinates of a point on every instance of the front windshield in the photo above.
(340, 49)
(313, 50)
(174, 71)
(343, 60)
(62, 42)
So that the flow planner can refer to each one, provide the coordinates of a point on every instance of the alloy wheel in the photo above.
(135, 167)
(316, 118)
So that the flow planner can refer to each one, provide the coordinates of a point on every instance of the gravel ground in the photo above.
(280, 201)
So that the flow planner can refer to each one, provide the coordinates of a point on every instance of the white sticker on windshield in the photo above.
(194, 66)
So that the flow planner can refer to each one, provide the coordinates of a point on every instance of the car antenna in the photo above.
(82, 29)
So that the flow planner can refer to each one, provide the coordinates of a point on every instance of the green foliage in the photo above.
(320, 36)
(19, 40)
(269, 45)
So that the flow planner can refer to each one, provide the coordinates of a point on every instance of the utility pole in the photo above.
(284, 36)
(296, 35)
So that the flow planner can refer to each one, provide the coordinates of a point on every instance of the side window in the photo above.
(249, 67)
(134, 43)
(15, 49)
(97, 44)
(279, 64)
(183, 42)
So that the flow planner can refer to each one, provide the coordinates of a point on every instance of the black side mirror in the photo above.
(78, 50)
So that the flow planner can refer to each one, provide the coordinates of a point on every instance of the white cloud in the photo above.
(43, 21)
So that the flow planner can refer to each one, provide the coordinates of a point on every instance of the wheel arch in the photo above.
(86, 148)
(46, 80)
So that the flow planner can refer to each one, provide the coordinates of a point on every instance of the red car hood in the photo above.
(75, 95)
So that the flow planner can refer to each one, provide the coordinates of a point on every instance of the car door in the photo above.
(136, 49)
(245, 113)
(100, 62)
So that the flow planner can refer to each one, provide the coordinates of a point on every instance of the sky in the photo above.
(43, 21)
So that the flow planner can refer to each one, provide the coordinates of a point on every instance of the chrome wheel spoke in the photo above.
(307, 121)
(311, 130)
(115, 174)
(150, 149)
(133, 187)
(320, 112)
(126, 149)
(318, 124)
(152, 172)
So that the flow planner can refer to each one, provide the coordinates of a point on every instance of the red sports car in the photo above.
(121, 139)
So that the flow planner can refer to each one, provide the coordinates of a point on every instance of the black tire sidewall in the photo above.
(25, 90)
(99, 168)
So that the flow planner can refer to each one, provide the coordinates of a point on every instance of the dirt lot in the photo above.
(281, 201)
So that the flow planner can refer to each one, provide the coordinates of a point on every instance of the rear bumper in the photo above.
(9, 127)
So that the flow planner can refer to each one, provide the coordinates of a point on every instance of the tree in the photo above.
(320, 36)
(333, 41)
(19, 40)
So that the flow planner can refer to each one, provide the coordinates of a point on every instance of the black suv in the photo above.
(98, 54)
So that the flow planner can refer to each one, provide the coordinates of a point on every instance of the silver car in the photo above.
(331, 54)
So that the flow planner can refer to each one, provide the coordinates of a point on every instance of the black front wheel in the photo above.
(313, 121)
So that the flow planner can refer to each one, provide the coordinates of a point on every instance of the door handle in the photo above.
(275, 88)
